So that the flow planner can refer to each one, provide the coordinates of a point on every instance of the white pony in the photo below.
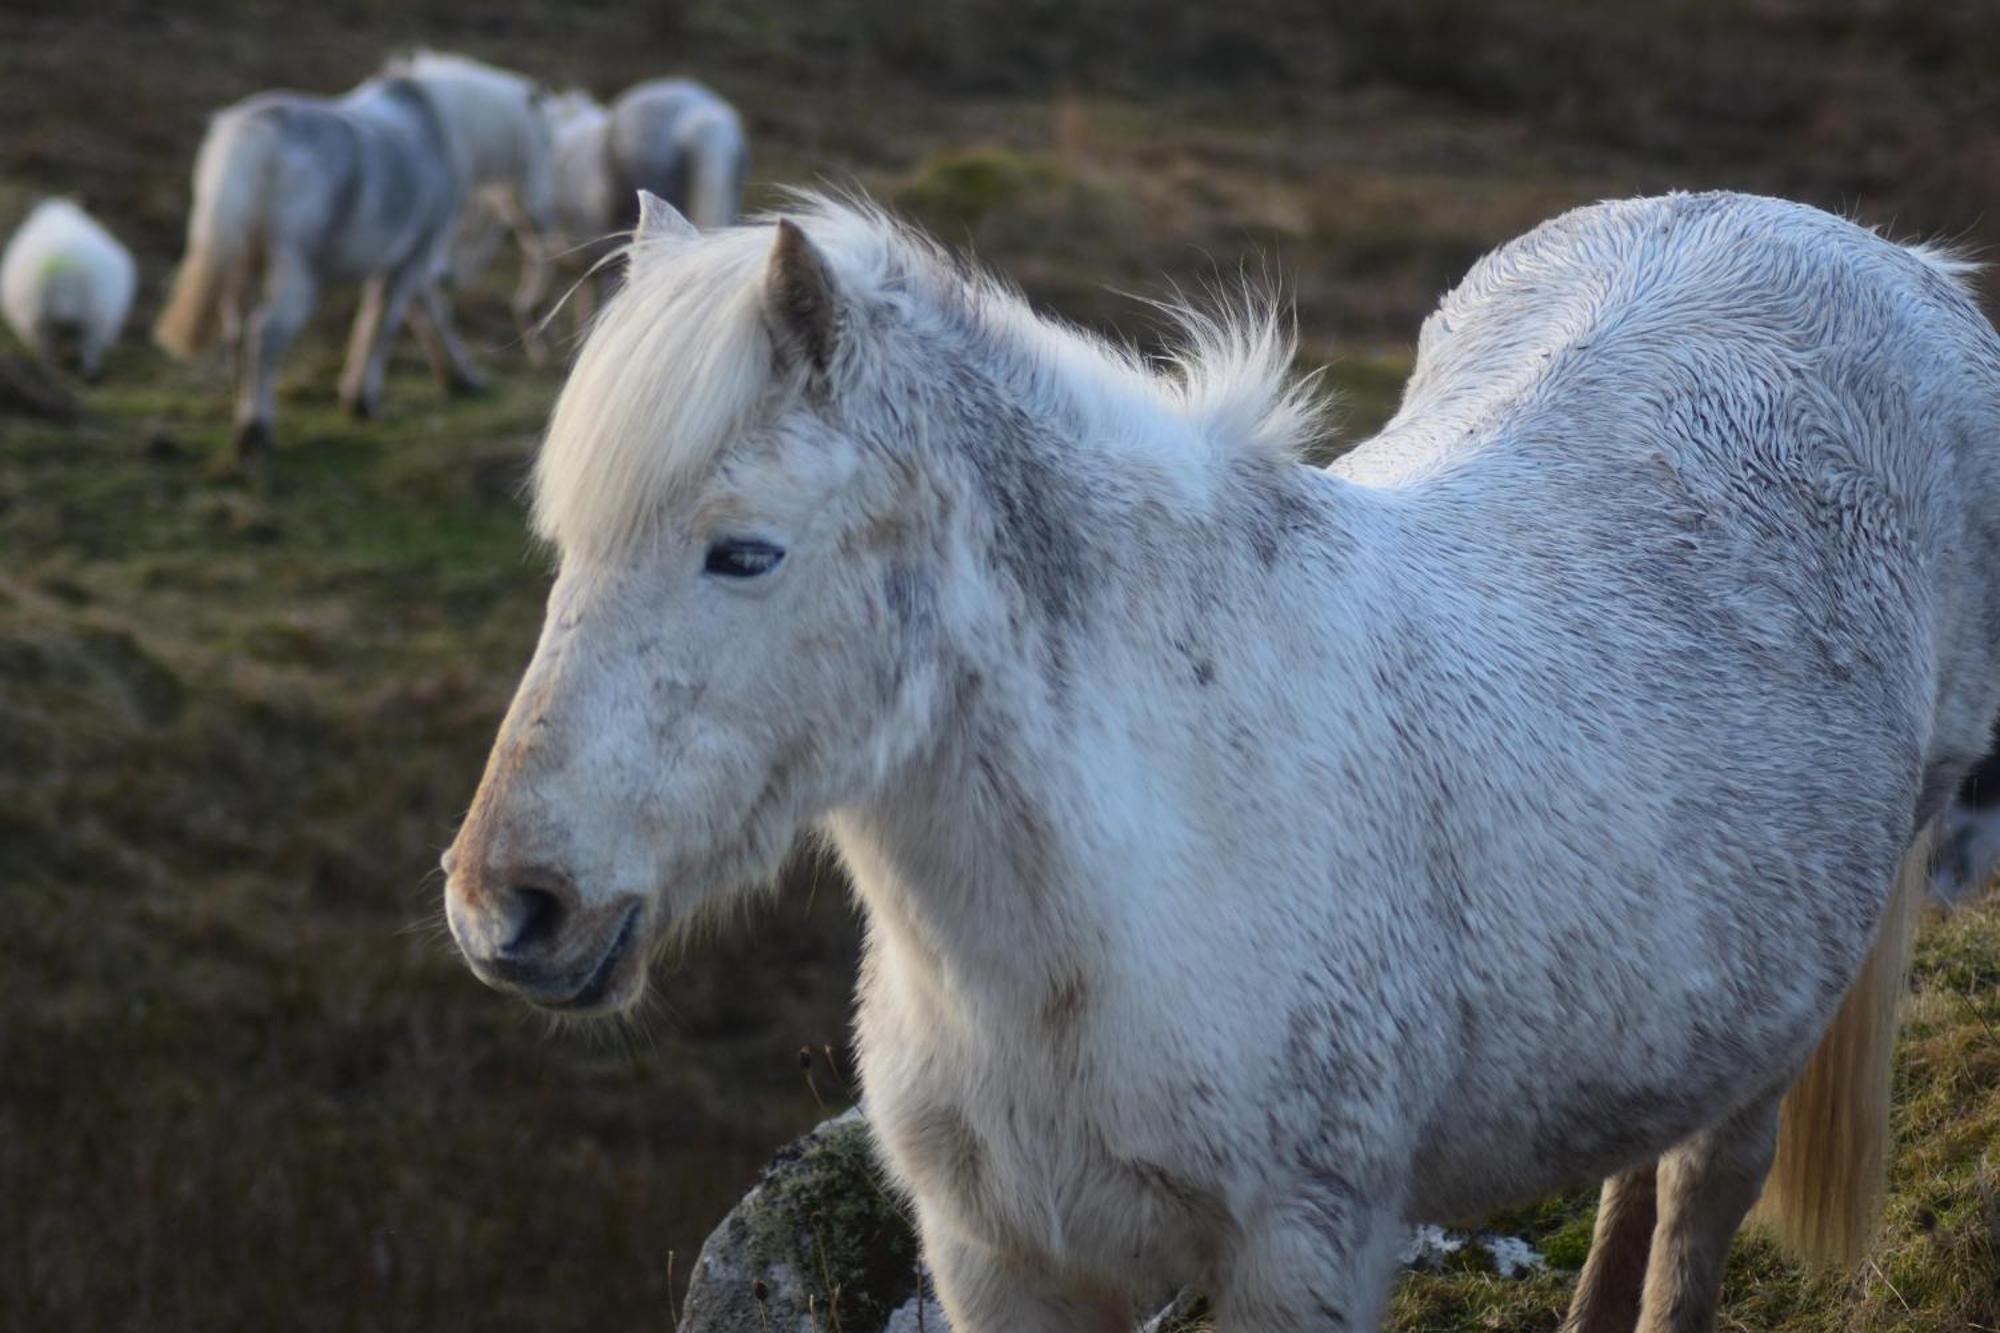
(1256, 857)
(293, 192)
(670, 137)
(64, 279)
(511, 151)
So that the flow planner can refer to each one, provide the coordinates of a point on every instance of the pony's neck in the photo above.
(1075, 747)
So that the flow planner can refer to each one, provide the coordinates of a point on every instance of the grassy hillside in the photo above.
(243, 1083)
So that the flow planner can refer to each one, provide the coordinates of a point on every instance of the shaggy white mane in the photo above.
(679, 361)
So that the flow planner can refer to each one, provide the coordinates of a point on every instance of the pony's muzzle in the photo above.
(532, 935)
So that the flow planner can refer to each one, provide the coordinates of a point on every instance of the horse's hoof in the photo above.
(253, 440)
(468, 386)
(362, 409)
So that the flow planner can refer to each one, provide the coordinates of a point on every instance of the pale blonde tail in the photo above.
(1825, 1188)
(230, 177)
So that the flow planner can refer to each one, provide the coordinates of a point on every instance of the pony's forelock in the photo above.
(670, 373)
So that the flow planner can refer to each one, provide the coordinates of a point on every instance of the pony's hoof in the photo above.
(466, 385)
(253, 440)
(362, 409)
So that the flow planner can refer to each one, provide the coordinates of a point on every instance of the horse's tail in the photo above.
(1825, 1186)
(231, 177)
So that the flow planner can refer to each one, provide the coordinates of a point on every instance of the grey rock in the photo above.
(820, 1244)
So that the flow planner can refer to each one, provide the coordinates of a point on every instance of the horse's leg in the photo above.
(536, 274)
(1607, 1294)
(373, 337)
(450, 362)
(583, 302)
(981, 1295)
(229, 316)
(1320, 1263)
(290, 290)
(360, 343)
(1706, 1185)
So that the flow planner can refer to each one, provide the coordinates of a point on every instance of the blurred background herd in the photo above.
(243, 1080)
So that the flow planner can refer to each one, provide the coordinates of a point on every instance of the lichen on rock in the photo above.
(820, 1245)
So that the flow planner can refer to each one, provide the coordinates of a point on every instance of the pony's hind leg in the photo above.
(290, 290)
(360, 344)
(383, 304)
(982, 1295)
(450, 362)
(537, 275)
(1607, 1293)
(1706, 1186)
(583, 300)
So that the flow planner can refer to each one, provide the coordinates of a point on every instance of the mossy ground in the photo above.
(242, 1081)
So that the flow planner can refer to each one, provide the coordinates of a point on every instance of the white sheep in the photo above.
(65, 280)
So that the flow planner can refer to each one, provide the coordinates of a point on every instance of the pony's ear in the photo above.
(660, 221)
(800, 302)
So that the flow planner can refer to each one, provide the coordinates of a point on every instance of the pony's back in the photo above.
(493, 116)
(681, 141)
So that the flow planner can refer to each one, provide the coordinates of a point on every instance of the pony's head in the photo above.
(735, 640)
(806, 482)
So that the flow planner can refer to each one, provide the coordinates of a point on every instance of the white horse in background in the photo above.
(511, 153)
(1257, 857)
(66, 282)
(672, 138)
(294, 192)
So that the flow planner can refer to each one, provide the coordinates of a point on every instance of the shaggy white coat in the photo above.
(1254, 856)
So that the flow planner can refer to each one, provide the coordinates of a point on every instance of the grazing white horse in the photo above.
(670, 137)
(66, 281)
(511, 151)
(1255, 857)
(294, 192)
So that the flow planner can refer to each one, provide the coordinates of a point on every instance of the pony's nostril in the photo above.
(538, 916)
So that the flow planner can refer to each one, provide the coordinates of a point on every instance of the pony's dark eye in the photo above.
(741, 558)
